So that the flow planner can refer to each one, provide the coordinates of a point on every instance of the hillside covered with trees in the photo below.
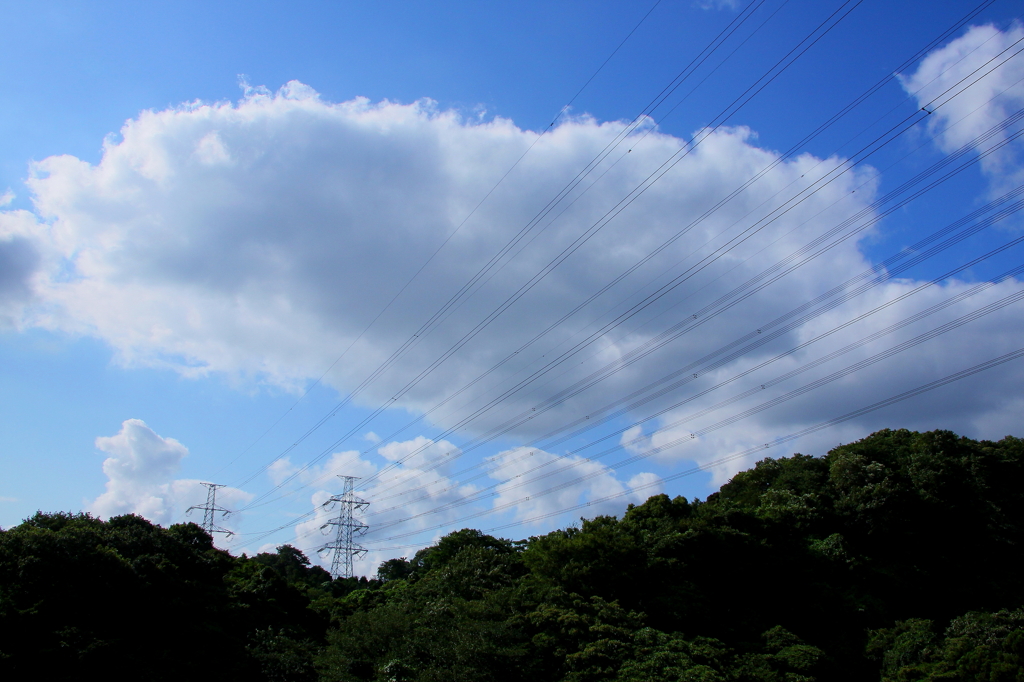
(898, 557)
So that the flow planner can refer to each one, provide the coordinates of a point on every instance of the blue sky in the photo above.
(202, 215)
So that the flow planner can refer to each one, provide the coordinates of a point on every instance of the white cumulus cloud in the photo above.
(535, 483)
(140, 470)
(984, 68)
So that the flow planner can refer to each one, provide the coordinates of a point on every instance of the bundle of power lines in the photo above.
(667, 393)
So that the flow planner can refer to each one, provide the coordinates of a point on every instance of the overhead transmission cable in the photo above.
(1012, 209)
(730, 28)
(787, 60)
(943, 102)
(565, 108)
(946, 161)
(690, 437)
(922, 255)
(1011, 194)
(881, 404)
(462, 292)
(938, 307)
(864, 226)
(665, 245)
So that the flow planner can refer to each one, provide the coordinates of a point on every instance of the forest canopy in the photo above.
(894, 558)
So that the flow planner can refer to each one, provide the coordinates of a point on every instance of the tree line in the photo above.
(894, 558)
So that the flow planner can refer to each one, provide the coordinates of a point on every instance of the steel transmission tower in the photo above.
(210, 510)
(347, 529)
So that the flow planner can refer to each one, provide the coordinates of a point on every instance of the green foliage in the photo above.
(449, 617)
(281, 657)
(394, 569)
(439, 555)
(294, 566)
(895, 558)
(658, 657)
(82, 598)
(79, 594)
(976, 647)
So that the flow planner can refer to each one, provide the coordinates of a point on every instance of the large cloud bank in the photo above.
(258, 239)
(261, 238)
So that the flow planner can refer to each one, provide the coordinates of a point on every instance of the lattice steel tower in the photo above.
(348, 528)
(210, 510)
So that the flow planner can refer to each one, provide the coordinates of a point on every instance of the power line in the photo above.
(963, 320)
(918, 256)
(458, 227)
(766, 384)
(666, 244)
(911, 256)
(704, 315)
(872, 270)
(466, 288)
(779, 67)
(887, 402)
(606, 328)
